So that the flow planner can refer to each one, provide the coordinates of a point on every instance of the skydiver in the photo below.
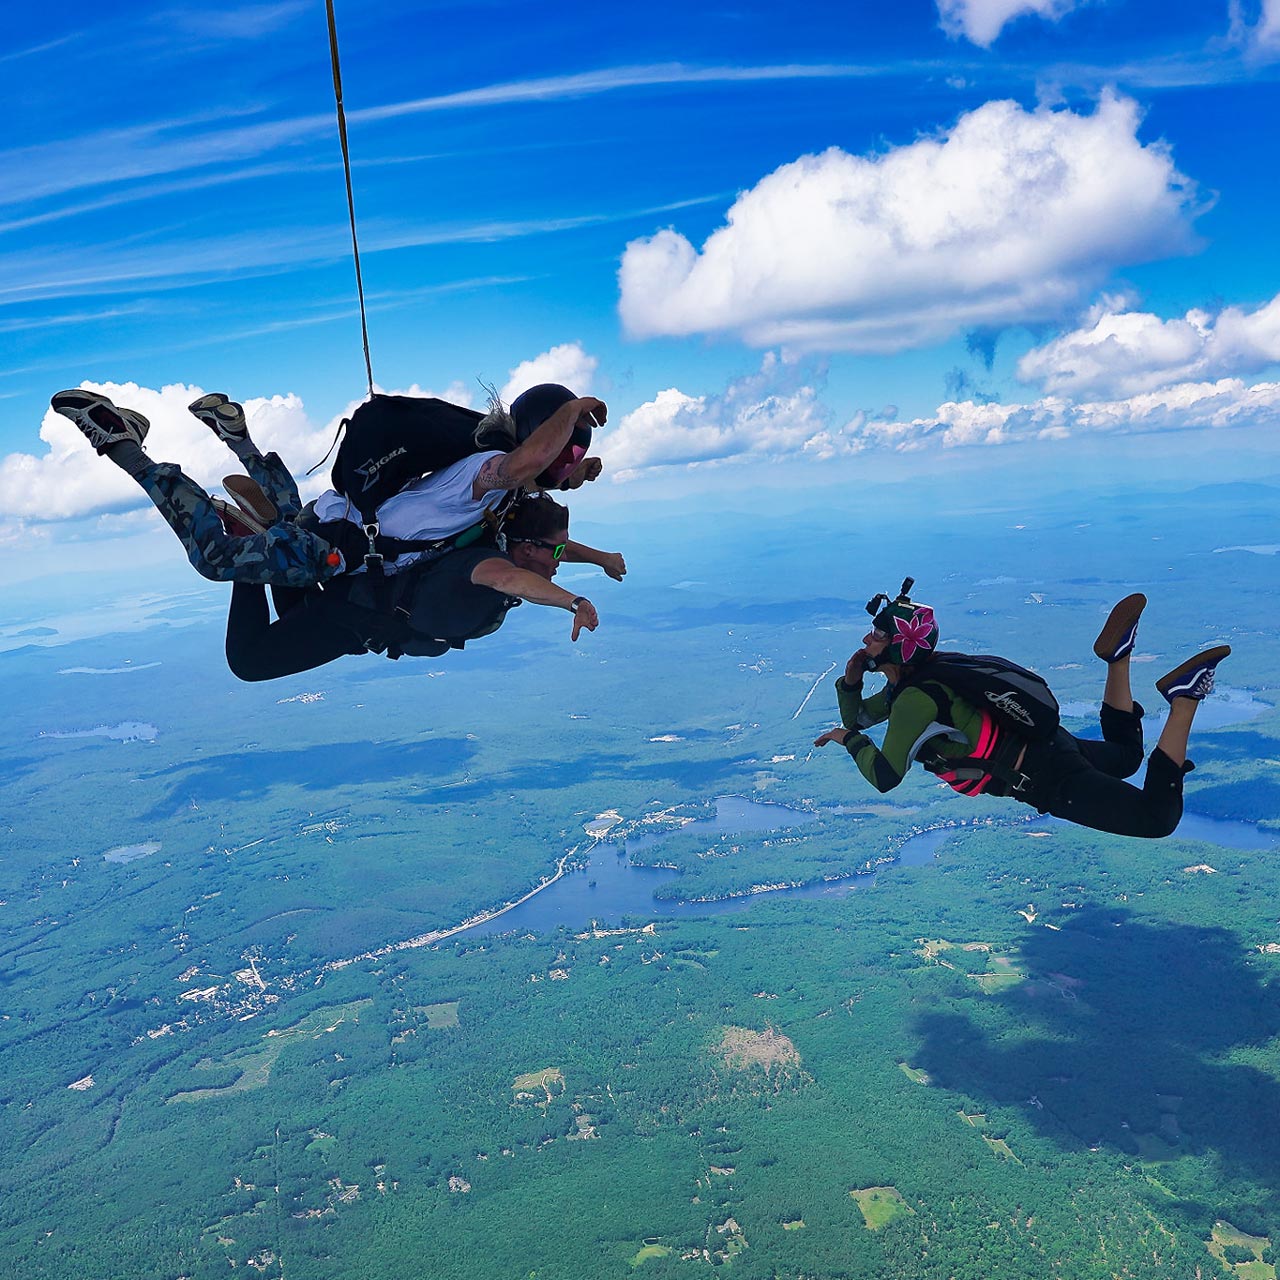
(434, 606)
(541, 439)
(1062, 775)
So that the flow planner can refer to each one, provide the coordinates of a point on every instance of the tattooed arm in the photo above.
(521, 467)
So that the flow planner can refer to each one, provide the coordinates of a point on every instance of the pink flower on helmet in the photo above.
(915, 632)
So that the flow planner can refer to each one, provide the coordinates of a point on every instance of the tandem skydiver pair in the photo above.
(447, 555)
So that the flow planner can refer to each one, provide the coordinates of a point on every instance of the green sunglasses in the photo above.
(556, 548)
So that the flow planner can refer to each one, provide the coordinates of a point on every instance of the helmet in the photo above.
(909, 627)
(531, 409)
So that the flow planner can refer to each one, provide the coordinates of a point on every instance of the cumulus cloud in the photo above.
(774, 413)
(567, 364)
(68, 481)
(981, 21)
(1010, 217)
(1123, 353)
(1227, 402)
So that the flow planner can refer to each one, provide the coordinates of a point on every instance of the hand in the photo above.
(837, 735)
(596, 410)
(614, 565)
(855, 668)
(584, 616)
(587, 470)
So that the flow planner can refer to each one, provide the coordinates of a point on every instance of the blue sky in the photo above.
(842, 238)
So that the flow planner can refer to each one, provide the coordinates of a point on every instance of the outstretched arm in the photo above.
(610, 561)
(911, 724)
(522, 466)
(501, 575)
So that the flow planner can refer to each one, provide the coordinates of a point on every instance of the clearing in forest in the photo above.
(650, 1251)
(742, 1047)
(550, 1080)
(1154, 1148)
(1000, 1148)
(880, 1205)
(439, 1016)
(914, 1073)
(976, 960)
(1225, 1236)
(254, 1065)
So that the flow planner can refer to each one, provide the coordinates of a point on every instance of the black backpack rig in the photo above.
(1018, 700)
(387, 443)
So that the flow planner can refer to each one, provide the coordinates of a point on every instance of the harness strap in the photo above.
(998, 765)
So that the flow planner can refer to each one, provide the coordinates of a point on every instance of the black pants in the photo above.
(314, 627)
(1082, 781)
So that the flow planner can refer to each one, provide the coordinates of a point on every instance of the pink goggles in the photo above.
(565, 465)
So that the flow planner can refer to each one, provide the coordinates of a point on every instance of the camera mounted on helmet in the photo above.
(909, 628)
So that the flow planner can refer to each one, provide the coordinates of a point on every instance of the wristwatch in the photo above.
(575, 602)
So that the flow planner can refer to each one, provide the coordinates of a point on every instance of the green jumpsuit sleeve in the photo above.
(857, 713)
(911, 714)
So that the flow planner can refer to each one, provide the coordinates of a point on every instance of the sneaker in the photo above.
(1120, 631)
(250, 499)
(101, 422)
(237, 523)
(222, 416)
(1193, 678)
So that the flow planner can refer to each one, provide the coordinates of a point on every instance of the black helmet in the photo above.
(531, 409)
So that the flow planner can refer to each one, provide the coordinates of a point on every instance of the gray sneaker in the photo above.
(224, 417)
(100, 421)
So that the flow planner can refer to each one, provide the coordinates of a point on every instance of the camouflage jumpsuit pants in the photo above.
(283, 556)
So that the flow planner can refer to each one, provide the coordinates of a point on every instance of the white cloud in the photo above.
(1010, 217)
(774, 413)
(981, 21)
(1257, 28)
(69, 481)
(1122, 353)
(1227, 402)
(762, 417)
(567, 364)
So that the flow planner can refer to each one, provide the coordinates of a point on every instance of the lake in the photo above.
(610, 890)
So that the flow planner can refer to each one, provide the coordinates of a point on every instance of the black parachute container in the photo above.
(390, 441)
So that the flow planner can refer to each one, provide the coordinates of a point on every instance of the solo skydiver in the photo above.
(264, 544)
(978, 752)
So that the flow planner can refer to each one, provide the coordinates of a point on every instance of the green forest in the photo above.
(238, 1030)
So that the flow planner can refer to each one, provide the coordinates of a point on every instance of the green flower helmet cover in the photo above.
(910, 629)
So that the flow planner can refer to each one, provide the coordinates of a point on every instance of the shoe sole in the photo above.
(249, 497)
(224, 415)
(1209, 658)
(1119, 621)
(232, 516)
(76, 406)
